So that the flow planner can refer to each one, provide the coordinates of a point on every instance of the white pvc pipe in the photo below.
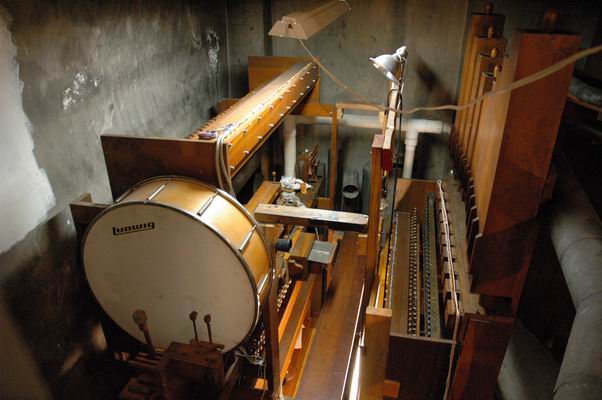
(411, 141)
(412, 128)
(290, 145)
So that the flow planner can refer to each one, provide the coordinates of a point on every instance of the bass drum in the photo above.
(173, 245)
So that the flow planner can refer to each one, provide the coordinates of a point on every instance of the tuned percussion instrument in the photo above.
(173, 245)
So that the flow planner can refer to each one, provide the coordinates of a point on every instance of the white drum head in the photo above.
(165, 262)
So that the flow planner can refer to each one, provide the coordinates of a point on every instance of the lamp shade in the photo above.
(387, 64)
(305, 24)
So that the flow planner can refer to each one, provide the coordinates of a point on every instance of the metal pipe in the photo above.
(576, 233)
(351, 190)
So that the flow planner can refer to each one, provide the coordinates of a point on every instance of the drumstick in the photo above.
(207, 320)
(140, 319)
(193, 316)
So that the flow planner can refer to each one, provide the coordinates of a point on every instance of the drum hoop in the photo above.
(195, 217)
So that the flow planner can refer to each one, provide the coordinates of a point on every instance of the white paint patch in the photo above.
(213, 46)
(84, 85)
(212, 41)
(108, 121)
(197, 42)
(26, 193)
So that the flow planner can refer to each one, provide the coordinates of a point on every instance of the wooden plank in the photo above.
(261, 69)
(411, 194)
(131, 159)
(304, 108)
(374, 209)
(248, 123)
(398, 279)
(485, 63)
(374, 354)
(270, 321)
(485, 85)
(483, 348)
(388, 130)
(327, 370)
(511, 175)
(419, 365)
(314, 109)
(84, 210)
(267, 192)
(300, 252)
(313, 217)
(300, 310)
(481, 45)
(514, 150)
(512, 250)
(478, 27)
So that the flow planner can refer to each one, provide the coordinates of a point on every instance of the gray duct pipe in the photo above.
(577, 236)
(351, 191)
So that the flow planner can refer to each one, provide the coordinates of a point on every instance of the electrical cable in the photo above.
(221, 167)
(514, 85)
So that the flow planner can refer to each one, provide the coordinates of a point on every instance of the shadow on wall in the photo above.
(52, 304)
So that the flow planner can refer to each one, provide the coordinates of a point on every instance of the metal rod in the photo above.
(156, 192)
(206, 205)
(246, 240)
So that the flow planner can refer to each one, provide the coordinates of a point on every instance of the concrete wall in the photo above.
(69, 71)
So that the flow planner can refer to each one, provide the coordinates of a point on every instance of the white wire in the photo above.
(514, 85)
(220, 166)
(255, 360)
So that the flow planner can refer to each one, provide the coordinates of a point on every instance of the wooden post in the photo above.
(376, 350)
(374, 210)
(514, 154)
(483, 350)
(270, 318)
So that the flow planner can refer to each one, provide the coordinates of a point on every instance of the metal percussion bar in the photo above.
(206, 205)
(156, 192)
(246, 240)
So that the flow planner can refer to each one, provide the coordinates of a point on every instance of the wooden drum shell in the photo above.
(214, 210)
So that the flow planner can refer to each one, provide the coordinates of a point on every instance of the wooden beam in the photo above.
(484, 346)
(294, 324)
(374, 354)
(305, 108)
(374, 209)
(270, 321)
(84, 210)
(313, 217)
(247, 124)
(268, 192)
(327, 372)
(131, 159)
